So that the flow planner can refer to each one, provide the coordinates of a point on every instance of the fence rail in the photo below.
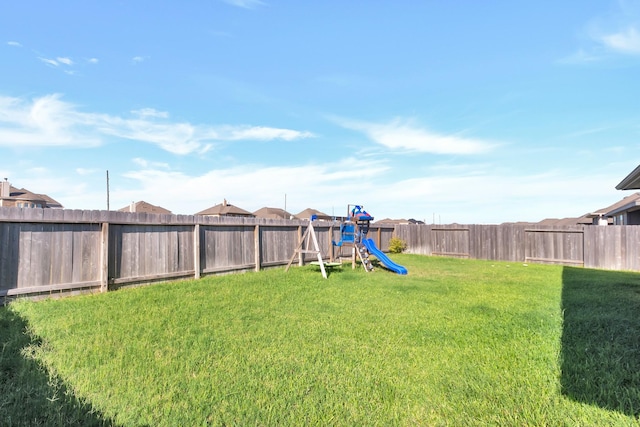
(48, 251)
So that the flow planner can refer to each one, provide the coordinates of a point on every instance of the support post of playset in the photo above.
(309, 237)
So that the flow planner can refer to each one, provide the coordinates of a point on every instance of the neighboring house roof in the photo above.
(307, 213)
(631, 181)
(144, 207)
(563, 222)
(399, 221)
(392, 221)
(273, 213)
(225, 209)
(24, 195)
(629, 203)
(415, 221)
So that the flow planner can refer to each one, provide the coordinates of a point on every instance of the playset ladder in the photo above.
(308, 237)
(363, 253)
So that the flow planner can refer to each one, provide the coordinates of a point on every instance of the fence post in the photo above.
(256, 244)
(330, 242)
(104, 257)
(196, 251)
(300, 255)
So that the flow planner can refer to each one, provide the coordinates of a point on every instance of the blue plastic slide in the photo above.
(373, 250)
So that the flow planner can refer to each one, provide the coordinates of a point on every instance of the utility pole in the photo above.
(107, 189)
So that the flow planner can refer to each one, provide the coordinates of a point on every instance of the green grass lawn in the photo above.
(455, 342)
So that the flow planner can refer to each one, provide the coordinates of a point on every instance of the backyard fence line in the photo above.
(603, 247)
(52, 251)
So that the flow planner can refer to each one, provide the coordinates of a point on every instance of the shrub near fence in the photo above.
(44, 251)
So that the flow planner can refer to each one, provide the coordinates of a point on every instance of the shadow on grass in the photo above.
(29, 396)
(601, 338)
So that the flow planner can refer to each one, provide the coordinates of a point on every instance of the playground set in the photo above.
(353, 235)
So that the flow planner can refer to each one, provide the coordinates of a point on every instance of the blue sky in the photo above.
(456, 111)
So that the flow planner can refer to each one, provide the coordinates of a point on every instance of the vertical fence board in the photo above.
(76, 257)
(58, 255)
(128, 250)
(24, 258)
(45, 235)
(9, 255)
(90, 268)
(171, 250)
(5, 260)
(187, 248)
(611, 243)
(195, 252)
(631, 253)
(147, 251)
(104, 257)
(115, 251)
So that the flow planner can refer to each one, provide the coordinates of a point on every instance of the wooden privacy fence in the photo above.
(45, 251)
(605, 247)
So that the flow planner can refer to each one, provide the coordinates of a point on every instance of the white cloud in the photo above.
(487, 196)
(402, 134)
(13, 43)
(48, 61)
(581, 57)
(176, 138)
(626, 41)
(85, 171)
(57, 62)
(146, 164)
(64, 60)
(44, 121)
(138, 59)
(72, 192)
(251, 187)
(261, 133)
(467, 194)
(93, 60)
(471, 195)
(150, 112)
(245, 4)
(49, 121)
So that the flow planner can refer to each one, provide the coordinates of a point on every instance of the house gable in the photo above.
(308, 213)
(11, 196)
(273, 213)
(144, 207)
(225, 209)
